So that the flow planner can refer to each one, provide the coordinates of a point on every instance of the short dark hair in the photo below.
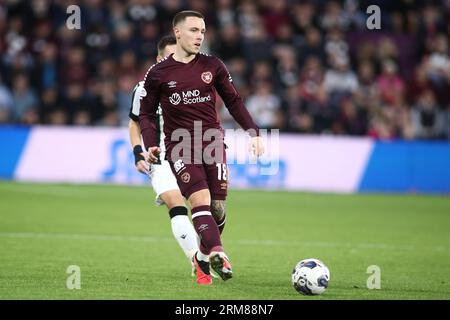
(182, 15)
(164, 42)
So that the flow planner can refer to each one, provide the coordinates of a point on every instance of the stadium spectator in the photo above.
(6, 103)
(385, 72)
(265, 106)
(427, 118)
(390, 83)
(25, 101)
(339, 80)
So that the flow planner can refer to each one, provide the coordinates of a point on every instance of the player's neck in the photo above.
(182, 56)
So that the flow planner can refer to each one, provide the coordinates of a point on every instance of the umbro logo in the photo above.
(183, 236)
(202, 227)
(172, 84)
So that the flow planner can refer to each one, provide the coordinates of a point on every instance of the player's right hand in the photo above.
(257, 146)
(152, 156)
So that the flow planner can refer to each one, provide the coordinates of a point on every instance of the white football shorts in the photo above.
(162, 180)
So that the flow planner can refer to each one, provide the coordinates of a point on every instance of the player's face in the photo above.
(190, 34)
(168, 50)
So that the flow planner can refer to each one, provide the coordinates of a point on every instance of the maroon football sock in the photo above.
(207, 229)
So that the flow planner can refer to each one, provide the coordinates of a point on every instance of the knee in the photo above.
(172, 199)
(218, 209)
(200, 198)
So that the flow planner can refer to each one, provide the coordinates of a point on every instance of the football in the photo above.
(310, 277)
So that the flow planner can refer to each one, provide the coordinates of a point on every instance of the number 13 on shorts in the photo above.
(221, 171)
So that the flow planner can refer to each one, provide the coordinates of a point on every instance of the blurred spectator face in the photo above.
(107, 68)
(332, 17)
(4, 115)
(198, 5)
(312, 63)
(238, 66)
(441, 44)
(150, 31)
(366, 72)
(292, 93)
(313, 37)
(49, 52)
(230, 33)
(74, 91)
(111, 119)
(430, 15)
(49, 96)
(420, 75)
(389, 68)
(348, 108)
(107, 88)
(262, 70)
(126, 83)
(259, 32)
(128, 61)
(124, 32)
(412, 18)
(387, 49)
(277, 6)
(15, 24)
(43, 29)
(225, 4)
(288, 60)
(40, 7)
(303, 14)
(427, 101)
(82, 118)
(20, 83)
(285, 32)
(76, 56)
(30, 117)
(93, 3)
(397, 22)
(264, 88)
(341, 64)
(366, 51)
(58, 117)
(248, 7)
(172, 5)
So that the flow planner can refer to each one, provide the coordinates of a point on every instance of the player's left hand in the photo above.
(257, 146)
(152, 156)
(142, 166)
(139, 159)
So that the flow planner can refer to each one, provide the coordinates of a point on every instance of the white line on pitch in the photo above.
(261, 242)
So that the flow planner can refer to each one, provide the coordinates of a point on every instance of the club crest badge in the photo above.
(207, 77)
(185, 177)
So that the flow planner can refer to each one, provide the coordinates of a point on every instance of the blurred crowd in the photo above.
(301, 66)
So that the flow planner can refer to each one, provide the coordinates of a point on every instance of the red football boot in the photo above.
(202, 271)
(221, 265)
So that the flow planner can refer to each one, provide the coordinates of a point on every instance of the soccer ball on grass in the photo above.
(310, 277)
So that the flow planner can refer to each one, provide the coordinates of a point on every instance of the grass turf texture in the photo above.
(124, 246)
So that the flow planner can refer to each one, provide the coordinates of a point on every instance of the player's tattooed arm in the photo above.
(218, 209)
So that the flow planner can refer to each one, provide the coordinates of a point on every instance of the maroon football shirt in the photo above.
(186, 92)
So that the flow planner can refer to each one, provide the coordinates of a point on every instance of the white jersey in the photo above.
(160, 174)
(138, 93)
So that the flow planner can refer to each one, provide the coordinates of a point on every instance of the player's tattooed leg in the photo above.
(219, 214)
(218, 209)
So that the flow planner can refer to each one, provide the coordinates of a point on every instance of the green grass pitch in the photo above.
(124, 246)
